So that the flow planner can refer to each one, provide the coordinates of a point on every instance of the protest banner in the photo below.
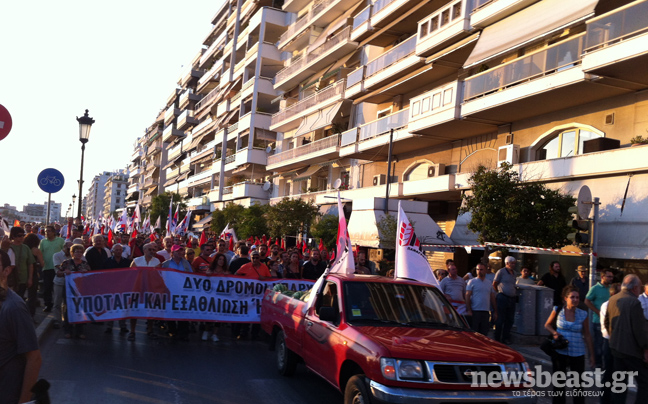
(163, 294)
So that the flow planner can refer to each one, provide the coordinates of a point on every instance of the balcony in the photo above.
(368, 140)
(202, 177)
(204, 105)
(315, 152)
(616, 45)
(315, 59)
(246, 189)
(288, 118)
(321, 14)
(487, 12)
(198, 203)
(219, 43)
(361, 25)
(188, 97)
(450, 23)
(393, 64)
(189, 75)
(433, 188)
(354, 84)
(210, 79)
(172, 133)
(170, 114)
(386, 11)
(137, 154)
(293, 6)
(186, 120)
(551, 79)
(150, 181)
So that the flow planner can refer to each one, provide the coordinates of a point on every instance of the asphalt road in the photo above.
(106, 368)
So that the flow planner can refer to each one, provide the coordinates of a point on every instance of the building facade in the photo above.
(37, 213)
(321, 96)
(115, 193)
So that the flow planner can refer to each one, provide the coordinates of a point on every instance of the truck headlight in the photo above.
(410, 370)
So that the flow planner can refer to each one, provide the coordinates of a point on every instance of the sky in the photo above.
(119, 59)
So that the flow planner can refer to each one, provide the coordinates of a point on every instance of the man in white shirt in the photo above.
(606, 352)
(643, 298)
(146, 260)
(124, 239)
(166, 252)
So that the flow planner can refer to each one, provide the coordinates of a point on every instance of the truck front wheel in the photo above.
(356, 391)
(286, 359)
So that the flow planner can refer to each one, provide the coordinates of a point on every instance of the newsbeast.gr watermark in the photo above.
(539, 378)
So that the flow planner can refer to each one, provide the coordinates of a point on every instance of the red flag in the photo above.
(152, 237)
(298, 245)
(321, 246)
(332, 257)
(203, 238)
(134, 233)
(231, 244)
(109, 243)
(264, 240)
(304, 248)
(250, 239)
(189, 244)
(283, 243)
(256, 241)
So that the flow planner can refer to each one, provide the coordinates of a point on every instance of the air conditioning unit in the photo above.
(508, 154)
(379, 179)
(435, 170)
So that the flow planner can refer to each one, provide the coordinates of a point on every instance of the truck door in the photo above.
(321, 337)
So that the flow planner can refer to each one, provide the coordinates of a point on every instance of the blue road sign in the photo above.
(50, 180)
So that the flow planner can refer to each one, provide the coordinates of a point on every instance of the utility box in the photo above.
(544, 305)
(525, 310)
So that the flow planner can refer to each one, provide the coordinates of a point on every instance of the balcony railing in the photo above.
(355, 77)
(392, 56)
(326, 143)
(349, 137)
(228, 190)
(329, 92)
(301, 61)
(550, 60)
(616, 26)
(362, 17)
(230, 159)
(201, 175)
(207, 99)
(302, 22)
(477, 4)
(397, 120)
(380, 4)
(220, 41)
(215, 70)
(232, 128)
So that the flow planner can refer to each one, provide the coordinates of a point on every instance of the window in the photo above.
(566, 143)
(117, 200)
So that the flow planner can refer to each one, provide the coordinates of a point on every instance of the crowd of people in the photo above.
(608, 322)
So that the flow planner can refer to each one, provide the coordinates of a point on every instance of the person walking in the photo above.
(555, 280)
(597, 295)
(571, 324)
(75, 264)
(504, 285)
(24, 262)
(49, 246)
(625, 322)
(581, 282)
(480, 301)
(252, 270)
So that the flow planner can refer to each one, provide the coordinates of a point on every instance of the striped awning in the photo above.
(307, 174)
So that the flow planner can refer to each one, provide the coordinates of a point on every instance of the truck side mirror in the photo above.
(329, 314)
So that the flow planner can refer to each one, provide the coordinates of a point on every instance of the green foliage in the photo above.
(290, 217)
(387, 231)
(252, 221)
(231, 213)
(326, 229)
(506, 210)
(160, 207)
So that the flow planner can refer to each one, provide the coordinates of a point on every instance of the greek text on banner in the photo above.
(156, 293)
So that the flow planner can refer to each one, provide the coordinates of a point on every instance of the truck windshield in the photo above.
(392, 304)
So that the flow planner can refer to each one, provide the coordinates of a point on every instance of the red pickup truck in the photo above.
(380, 340)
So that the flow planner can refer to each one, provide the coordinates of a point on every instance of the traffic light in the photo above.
(582, 226)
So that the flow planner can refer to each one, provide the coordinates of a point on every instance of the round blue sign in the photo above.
(50, 180)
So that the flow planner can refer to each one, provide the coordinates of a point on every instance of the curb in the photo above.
(43, 327)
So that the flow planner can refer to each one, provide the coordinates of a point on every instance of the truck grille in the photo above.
(460, 372)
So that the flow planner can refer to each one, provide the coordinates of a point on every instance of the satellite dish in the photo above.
(584, 202)
(337, 183)
(267, 186)
(269, 149)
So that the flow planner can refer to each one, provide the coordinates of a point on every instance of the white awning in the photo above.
(367, 213)
(307, 174)
(202, 223)
(333, 26)
(461, 235)
(305, 126)
(326, 116)
(532, 23)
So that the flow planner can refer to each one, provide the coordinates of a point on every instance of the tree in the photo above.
(507, 210)
(252, 221)
(231, 214)
(160, 207)
(326, 229)
(290, 217)
(387, 231)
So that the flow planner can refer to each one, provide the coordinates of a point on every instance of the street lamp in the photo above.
(85, 123)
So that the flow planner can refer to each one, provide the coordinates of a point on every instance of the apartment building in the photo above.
(95, 197)
(135, 177)
(154, 157)
(440, 87)
(115, 192)
(37, 213)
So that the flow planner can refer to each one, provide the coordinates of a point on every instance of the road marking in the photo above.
(134, 396)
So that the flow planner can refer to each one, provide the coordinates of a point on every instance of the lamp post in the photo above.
(85, 123)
